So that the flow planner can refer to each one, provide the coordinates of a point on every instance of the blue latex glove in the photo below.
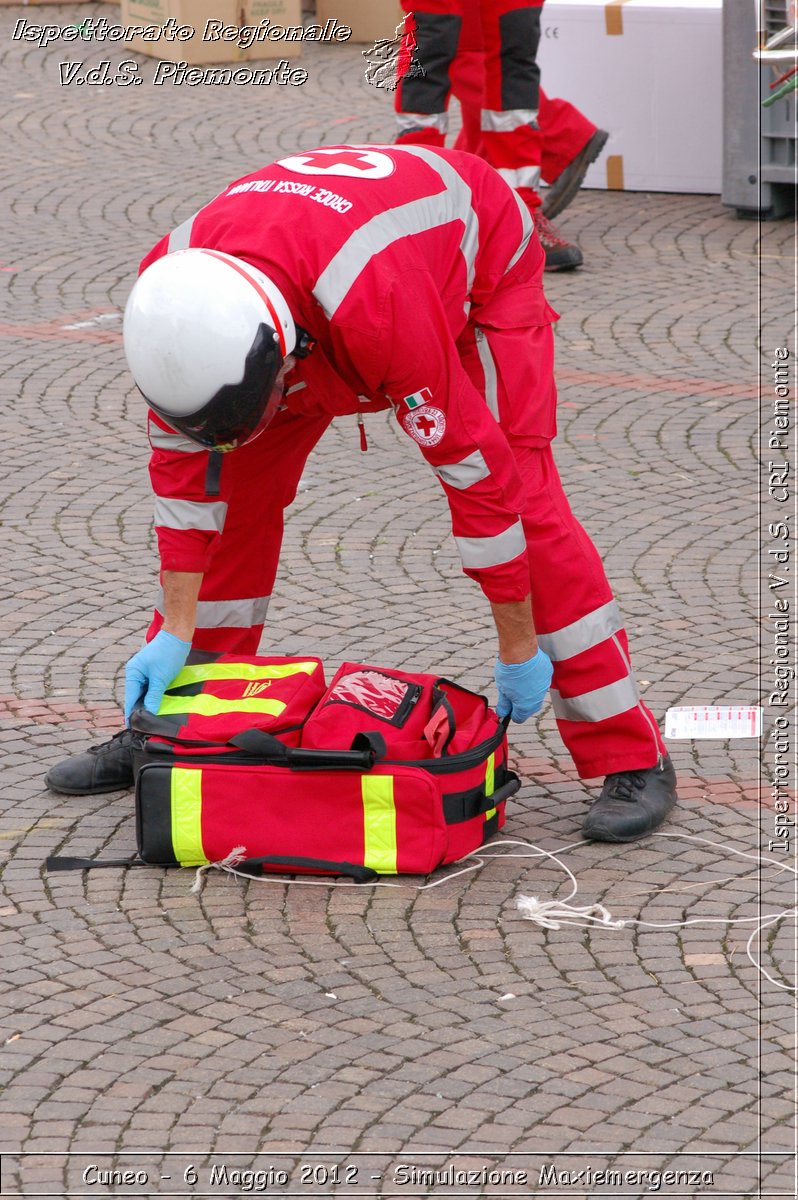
(523, 686)
(150, 672)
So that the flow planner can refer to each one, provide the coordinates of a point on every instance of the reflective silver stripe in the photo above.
(407, 122)
(163, 439)
(598, 705)
(463, 474)
(464, 207)
(528, 177)
(528, 227)
(507, 120)
(477, 552)
(649, 719)
(417, 216)
(297, 387)
(221, 614)
(489, 370)
(180, 238)
(581, 635)
(190, 514)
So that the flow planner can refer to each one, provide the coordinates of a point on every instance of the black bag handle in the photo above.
(264, 745)
(507, 790)
(250, 866)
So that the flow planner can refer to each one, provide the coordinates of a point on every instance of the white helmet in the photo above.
(206, 336)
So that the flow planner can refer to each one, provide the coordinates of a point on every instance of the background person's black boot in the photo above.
(568, 182)
(104, 768)
(632, 804)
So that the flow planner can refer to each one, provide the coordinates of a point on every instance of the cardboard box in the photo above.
(649, 72)
(194, 14)
(368, 19)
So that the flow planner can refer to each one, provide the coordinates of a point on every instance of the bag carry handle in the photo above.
(507, 790)
(355, 871)
(264, 745)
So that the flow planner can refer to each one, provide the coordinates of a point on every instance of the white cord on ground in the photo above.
(542, 913)
(236, 856)
(548, 914)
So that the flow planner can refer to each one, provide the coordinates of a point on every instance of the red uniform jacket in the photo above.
(387, 256)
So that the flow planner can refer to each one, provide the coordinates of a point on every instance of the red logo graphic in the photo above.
(380, 694)
(426, 424)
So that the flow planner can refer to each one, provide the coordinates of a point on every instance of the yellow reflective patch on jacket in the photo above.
(186, 797)
(379, 823)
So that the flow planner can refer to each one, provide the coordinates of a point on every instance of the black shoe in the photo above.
(569, 181)
(632, 804)
(561, 255)
(104, 768)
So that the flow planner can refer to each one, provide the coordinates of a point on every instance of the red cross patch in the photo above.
(347, 160)
(426, 424)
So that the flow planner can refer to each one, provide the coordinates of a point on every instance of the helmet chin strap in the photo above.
(305, 343)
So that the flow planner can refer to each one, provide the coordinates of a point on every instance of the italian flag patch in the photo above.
(418, 398)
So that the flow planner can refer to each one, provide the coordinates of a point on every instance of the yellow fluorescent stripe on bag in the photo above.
(490, 774)
(203, 672)
(214, 706)
(490, 782)
(379, 823)
(187, 817)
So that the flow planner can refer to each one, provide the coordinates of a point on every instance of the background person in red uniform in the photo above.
(358, 277)
(485, 51)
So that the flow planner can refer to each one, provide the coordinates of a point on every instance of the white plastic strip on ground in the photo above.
(713, 721)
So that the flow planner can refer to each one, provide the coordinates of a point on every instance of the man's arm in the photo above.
(149, 673)
(523, 670)
(180, 593)
(515, 630)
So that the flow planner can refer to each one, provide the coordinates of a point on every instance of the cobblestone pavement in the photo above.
(429, 1027)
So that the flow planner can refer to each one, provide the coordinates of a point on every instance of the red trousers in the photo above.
(603, 722)
(484, 52)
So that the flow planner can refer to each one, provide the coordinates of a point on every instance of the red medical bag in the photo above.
(383, 772)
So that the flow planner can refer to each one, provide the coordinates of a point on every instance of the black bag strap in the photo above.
(250, 866)
(65, 863)
(261, 744)
(372, 740)
(463, 806)
(256, 866)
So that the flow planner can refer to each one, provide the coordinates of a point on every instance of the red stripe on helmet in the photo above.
(245, 275)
